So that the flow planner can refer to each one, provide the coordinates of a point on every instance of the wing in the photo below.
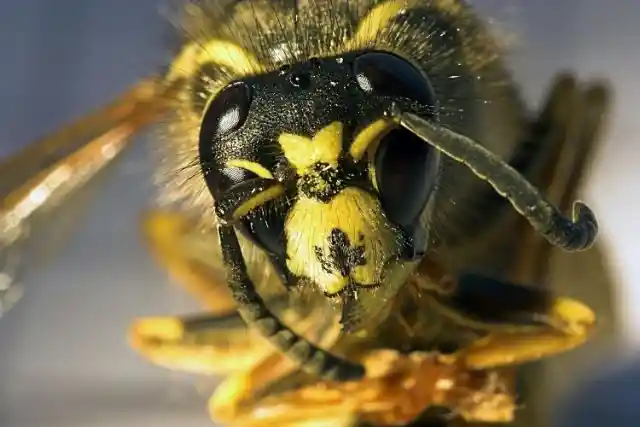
(567, 132)
(585, 276)
(43, 177)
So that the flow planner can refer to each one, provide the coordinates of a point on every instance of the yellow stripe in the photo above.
(371, 134)
(324, 147)
(254, 167)
(375, 21)
(219, 52)
(257, 200)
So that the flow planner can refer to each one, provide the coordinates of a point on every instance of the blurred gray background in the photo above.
(63, 356)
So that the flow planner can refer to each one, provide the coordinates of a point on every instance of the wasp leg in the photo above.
(325, 416)
(233, 399)
(167, 234)
(212, 344)
(523, 323)
(207, 344)
(396, 390)
(574, 321)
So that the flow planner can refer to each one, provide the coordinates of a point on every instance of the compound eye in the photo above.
(226, 113)
(264, 226)
(406, 170)
(386, 74)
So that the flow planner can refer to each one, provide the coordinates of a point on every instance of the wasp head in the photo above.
(308, 164)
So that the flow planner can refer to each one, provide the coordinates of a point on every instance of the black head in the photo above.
(309, 163)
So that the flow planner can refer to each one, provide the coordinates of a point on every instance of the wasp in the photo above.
(357, 195)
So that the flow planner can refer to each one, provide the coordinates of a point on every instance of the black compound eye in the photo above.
(386, 74)
(230, 176)
(226, 112)
(265, 225)
(266, 228)
(406, 170)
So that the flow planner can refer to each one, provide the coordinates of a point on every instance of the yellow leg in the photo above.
(396, 390)
(232, 399)
(174, 242)
(294, 416)
(570, 324)
(207, 345)
(213, 344)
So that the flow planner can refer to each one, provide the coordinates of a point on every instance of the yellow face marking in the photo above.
(258, 200)
(222, 53)
(370, 135)
(376, 20)
(355, 213)
(254, 167)
(324, 147)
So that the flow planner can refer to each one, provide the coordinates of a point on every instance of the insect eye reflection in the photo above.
(228, 112)
(386, 74)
